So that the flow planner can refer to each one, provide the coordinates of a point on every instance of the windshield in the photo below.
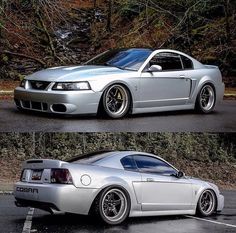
(129, 59)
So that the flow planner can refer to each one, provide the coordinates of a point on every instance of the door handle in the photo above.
(182, 76)
(150, 180)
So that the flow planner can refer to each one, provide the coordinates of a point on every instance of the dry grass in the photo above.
(8, 85)
(82, 4)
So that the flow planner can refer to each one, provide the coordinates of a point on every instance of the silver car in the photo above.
(124, 81)
(115, 185)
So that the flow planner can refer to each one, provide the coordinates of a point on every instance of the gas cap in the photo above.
(85, 180)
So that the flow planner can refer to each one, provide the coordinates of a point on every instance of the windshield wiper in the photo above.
(111, 65)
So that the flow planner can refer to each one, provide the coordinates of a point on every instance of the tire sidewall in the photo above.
(199, 210)
(198, 104)
(100, 212)
(108, 113)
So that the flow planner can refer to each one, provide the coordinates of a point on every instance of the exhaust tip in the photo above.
(18, 204)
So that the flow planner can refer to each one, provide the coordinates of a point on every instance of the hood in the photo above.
(195, 180)
(75, 73)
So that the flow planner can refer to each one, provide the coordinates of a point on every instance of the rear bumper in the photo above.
(60, 102)
(65, 198)
(50, 207)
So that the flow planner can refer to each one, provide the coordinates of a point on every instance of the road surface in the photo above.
(222, 120)
(17, 220)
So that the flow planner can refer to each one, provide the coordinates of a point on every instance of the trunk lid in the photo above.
(39, 170)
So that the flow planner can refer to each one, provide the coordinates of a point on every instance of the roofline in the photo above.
(86, 155)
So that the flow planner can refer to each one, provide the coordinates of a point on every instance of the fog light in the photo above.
(59, 108)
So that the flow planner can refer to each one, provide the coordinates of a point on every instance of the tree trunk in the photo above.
(94, 4)
(227, 25)
(94, 8)
(109, 14)
(189, 35)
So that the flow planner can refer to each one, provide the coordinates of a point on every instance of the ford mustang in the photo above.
(123, 81)
(114, 185)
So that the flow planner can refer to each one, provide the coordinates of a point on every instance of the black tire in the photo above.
(206, 99)
(116, 101)
(206, 205)
(19, 108)
(115, 210)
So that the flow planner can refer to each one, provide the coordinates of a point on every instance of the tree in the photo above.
(109, 15)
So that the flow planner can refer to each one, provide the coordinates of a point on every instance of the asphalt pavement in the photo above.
(14, 219)
(222, 120)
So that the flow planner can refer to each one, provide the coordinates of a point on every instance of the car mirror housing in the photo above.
(180, 174)
(155, 68)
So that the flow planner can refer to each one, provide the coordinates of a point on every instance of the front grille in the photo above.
(34, 105)
(39, 85)
(17, 102)
(25, 104)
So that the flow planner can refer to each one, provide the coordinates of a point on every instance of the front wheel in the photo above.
(116, 101)
(206, 99)
(206, 203)
(113, 205)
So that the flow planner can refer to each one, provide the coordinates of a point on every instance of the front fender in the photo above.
(219, 197)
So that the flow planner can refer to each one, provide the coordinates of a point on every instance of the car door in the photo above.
(168, 87)
(160, 189)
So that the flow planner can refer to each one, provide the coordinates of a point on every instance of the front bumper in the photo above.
(221, 201)
(65, 198)
(61, 102)
(220, 93)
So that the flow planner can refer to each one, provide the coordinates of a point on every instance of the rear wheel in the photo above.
(113, 205)
(116, 101)
(206, 99)
(206, 203)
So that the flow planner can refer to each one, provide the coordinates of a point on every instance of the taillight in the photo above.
(61, 176)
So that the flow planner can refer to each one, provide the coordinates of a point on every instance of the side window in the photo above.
(128, 163)
(168, 61)
(187, 63)
(153, 165)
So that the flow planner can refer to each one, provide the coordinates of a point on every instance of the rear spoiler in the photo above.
(92, 154)
(211, 67)
(88, 155)
(42, 164)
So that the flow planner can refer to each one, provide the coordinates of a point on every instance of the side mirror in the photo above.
(154, 68)
(180, 174)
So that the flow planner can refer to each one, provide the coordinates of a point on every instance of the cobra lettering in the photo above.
(27, 190)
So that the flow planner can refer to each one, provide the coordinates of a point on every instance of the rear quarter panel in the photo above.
(205, 75)
(103, 177)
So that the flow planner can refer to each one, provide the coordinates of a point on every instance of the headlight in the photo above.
(71, 86)
(22, 83)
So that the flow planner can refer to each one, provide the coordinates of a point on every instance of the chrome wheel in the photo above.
(116, 101)
(114, 205)
(207, 203)
(207, 98)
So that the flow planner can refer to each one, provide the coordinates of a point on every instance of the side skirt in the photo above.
(162, 109)
(161, 213)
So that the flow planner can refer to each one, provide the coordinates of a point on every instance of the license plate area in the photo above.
(36, 175)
